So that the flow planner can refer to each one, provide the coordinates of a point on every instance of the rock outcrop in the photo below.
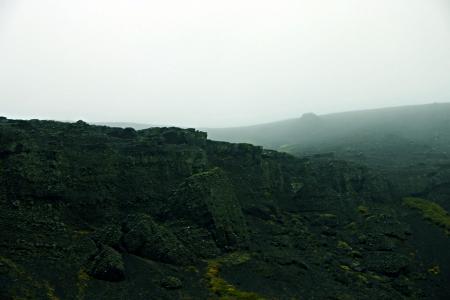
(207, 199)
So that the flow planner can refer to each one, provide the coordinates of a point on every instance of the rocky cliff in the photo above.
(93, 212)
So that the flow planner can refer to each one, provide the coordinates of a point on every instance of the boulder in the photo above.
(144, 237)
(107, 265)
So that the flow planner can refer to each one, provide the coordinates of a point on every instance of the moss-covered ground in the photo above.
(431, 211)
(222, 289)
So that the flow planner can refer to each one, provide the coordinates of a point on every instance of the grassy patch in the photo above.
(82, 283)
(219, 286)
(28, 287)
(434, 270)
(364, 210)
(431, 211)
(343, 245)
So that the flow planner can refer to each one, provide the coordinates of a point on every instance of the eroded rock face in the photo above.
(336, 186)
(208, 200)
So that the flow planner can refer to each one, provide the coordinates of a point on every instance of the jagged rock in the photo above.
(107, 265)
(144, 237)
(208, 200)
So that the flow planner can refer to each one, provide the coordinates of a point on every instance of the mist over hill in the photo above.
(428, 124)
(407, 144)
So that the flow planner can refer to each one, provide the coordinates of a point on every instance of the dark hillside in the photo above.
(94, 212)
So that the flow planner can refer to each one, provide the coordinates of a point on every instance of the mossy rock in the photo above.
(107, 265)
(222, 289)
(388, 263)
(144, 237)
(208, 200)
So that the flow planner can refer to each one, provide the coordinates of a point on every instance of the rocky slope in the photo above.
(93, 212)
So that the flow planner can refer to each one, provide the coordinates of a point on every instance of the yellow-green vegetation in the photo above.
(50, 292)
(351, 226)
(431, 211)
(362, 278)
(219, 286)
(192, 269)
(377, 277)
(343, 245)
(434, 270)
(359, 277)
(234, 258)
(364, 210)
(83, 279)
(345, 267)
(344, 297)
(82, 232)
(28, 285)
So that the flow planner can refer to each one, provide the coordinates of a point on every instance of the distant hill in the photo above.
(412, 122)
(407, 143)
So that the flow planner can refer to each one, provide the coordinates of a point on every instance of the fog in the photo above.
(219, 63)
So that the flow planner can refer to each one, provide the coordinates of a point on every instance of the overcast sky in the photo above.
(219, 63)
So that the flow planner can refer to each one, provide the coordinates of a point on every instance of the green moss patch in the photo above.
(431, 211)
(219, 286)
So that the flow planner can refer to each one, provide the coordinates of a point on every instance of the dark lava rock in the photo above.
(79, 202)
(387, 263)
(383, 224)
(208, 200)
(109, 235)
(197, 239)
(144, 237)
(378, 243)
(329, 220)
(107, 265)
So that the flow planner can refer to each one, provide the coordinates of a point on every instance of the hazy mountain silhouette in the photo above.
(428, 124)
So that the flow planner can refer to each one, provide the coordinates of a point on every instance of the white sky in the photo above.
(219, 63)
